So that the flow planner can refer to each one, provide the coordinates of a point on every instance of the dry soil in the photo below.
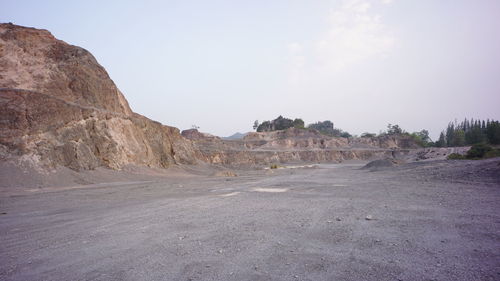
(435, 220)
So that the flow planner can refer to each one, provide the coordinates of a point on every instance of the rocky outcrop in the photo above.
(299, 145)
(256, 157)
(32, 59)
(194, 134)
(59, 107)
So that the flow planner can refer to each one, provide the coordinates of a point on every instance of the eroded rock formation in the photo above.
(298, 145)
(59, 107)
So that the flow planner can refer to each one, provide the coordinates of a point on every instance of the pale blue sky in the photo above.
(223, 64)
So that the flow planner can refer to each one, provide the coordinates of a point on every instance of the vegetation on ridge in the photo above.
(470, 132)
(477, 152)
(467, 132)
(282, 123)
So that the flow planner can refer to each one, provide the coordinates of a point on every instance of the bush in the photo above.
(274, 166)
(492, 154)
(478, 151)
(456, 156)
(280, 123)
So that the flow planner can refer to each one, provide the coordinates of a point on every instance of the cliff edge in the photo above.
(60, 108)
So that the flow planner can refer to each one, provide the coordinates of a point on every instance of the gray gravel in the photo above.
(421, 221)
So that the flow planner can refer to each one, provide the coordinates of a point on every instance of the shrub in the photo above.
(456, 156)
(274, 166)
(478, 151)
(492, 153)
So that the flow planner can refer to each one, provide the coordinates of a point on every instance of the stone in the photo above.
(60, 107)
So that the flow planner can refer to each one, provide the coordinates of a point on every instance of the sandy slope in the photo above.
(427, 221)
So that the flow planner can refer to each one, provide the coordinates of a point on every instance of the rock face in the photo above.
(194, 134)
(59, 107)
(299, 145)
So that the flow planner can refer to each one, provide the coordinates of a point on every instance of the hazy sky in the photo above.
(221, 64)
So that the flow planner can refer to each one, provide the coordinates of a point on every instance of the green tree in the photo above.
(255, 124)
(422, 138)
(459, 138)
(298, 123)
(264, 127)
(442, 140)
(345, 135)
(493, 132)
(394, 130)
(474, 135)
(325, 127)
(280, 123)
(450, 134)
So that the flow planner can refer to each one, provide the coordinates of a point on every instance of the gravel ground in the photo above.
(421, 221)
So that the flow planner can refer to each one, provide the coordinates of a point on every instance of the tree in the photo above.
(474, 135)
(195, 127)
(450, 134)
(442, 140)
(282, 123)
(470, 132)
(298, 123)
(493, 132)
(345, 135)
(368, 135)
(264, 127)
(279, 123)
(424, 134)
(325, 127)
(394, 130)
(459, 138)
(255, 124)
(422, 138)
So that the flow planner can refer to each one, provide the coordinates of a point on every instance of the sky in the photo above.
(222, 64)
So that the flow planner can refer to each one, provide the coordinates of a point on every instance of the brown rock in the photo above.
(60, 107)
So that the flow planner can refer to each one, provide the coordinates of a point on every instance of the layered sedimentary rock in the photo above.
(59, 107)
(297, 145)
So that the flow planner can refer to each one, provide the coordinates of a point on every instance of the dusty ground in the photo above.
(421, 221)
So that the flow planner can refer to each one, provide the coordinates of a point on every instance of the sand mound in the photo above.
(380, 164)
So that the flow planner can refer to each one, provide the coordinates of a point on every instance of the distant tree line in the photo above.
(282, 123)
(470, 132)
(326, 127)
(422, 137)
(467, 132)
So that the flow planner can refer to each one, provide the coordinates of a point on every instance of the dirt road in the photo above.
(422, 221)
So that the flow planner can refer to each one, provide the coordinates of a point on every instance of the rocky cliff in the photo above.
(297, 145)
(60, 107)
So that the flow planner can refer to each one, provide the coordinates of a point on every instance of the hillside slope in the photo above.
(60, 107)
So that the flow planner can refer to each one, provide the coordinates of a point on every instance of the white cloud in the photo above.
(387, 2)
(354, 34)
